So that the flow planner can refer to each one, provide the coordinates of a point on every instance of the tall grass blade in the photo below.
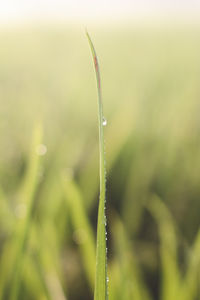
(24, 225)
(101, 285)
(131, 284)
(47, 267)
(171, 277)
(81, 226)
(190, 286)
(6, 225)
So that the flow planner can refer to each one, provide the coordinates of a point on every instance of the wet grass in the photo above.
(49, 202)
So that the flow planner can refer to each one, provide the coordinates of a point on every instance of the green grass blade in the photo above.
(131, 284)
(190, 286)
(81, 224)
(24, 225)
(47, 263)
(101, 286)
(6, 224)
(171, 277)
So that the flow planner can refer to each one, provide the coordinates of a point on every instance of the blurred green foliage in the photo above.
(49, 173)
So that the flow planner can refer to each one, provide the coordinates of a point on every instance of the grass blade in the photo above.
(24, 225)
(101, 286)
(171, 277)
(81, 224)
(190, 286)
(131, 284)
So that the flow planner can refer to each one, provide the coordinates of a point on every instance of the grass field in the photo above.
(49, 162)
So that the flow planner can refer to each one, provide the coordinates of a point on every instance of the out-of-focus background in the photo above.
(149, 54)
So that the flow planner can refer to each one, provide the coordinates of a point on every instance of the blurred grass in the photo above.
(150, 80)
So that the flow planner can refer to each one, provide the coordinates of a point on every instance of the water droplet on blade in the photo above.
(104, 122)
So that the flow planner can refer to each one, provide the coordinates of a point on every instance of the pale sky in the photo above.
(83, 10)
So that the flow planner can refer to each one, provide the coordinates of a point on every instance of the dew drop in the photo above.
(104, 121)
